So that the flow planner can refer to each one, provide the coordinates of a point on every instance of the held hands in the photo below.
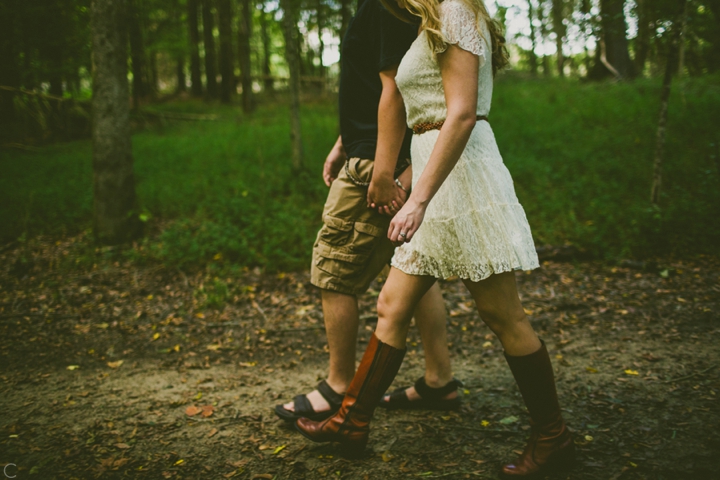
(385, 195)
(333, 163)
(406, 222)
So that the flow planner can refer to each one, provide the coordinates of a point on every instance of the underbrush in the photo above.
(224, 192)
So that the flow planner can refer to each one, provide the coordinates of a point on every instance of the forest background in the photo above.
(160, 192)
(216, 179)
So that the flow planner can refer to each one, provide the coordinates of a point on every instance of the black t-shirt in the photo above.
(374, 41)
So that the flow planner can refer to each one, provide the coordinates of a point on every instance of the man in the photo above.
(368, 179)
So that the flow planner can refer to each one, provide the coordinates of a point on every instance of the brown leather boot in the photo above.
(551, 444)
(351, 424)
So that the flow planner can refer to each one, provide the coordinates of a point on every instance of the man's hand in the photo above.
(385, 195)
(334, 162)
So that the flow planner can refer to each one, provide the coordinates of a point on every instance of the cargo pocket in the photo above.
(336, 232)
(351, 258)
(365, 237)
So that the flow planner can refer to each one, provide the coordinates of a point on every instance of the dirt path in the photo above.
(102, 365)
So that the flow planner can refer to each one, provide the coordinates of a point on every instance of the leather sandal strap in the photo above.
(303, 405)
(430, 393)
(333, 398)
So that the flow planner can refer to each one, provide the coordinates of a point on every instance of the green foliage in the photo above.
(223, 193)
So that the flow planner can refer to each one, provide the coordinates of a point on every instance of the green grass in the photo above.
(223, 191)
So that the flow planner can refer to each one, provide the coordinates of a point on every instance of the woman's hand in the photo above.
(385, 195)
(406, 222)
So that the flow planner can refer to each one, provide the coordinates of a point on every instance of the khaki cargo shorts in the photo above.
(352, 247)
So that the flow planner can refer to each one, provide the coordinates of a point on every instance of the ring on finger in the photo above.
(403, 235)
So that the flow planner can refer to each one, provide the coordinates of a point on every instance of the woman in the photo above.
(463, 219)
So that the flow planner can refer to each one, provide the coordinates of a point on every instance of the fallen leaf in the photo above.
(631, 372)
(207, 411)
(485, 423)
(155, 336)
(279, 449)
(122, 446)
(192, 410)
(179, 462)
(487, 344)
(73, 367)
(588, 438)
(212, 433)
(115, 364)
(265, 476)
(591, 369)
(387, 457)
(509, 420)
(247, 364)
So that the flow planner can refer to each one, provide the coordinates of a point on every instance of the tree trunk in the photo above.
(558, 15)
(614, 56)
(137, 54)
(320, 12)
(543, 35)
(180, 72)
(672, 60)
(244, 35)
(345, 16)
(226, 52)
(681, 41)
(194, 34)
(642, 41)
(10, 70)
(268, 83)
(533, 41)
(114, 187)
(209, 44)
(292, 55)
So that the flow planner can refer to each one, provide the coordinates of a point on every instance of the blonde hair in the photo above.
(428, 12)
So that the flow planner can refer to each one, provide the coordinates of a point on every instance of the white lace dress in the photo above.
(474, 226)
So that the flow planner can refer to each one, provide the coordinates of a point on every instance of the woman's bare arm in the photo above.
(459, 69)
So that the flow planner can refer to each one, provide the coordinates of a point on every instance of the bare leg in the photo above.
(341, 324)
(499, 306)
(397, 302)
(430, 318)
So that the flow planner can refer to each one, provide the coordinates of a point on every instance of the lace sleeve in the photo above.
(460, 27)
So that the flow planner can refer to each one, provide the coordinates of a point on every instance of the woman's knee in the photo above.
(501, 318)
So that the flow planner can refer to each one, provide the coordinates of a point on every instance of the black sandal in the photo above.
(430, 398)
(303, 407)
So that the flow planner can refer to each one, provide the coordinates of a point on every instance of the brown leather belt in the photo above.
(421, 128)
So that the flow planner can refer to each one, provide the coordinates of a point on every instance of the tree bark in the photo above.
(180, 73)
(113, 181)
(558, 16)
(642, 41)
(226, 51)
(320, 13)
(292, 55)
(194, 34)
(209, 44)
(137, 54)
(670, 68)
(10, 70)
(244, 35)
(533, 40)
(267, 73)
(614, 56)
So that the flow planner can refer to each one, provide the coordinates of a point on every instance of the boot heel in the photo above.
(562, 460)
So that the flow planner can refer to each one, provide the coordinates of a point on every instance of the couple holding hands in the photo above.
(429, 65)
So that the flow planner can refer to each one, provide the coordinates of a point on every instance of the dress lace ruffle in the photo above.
(474, 226)
(459, 26)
